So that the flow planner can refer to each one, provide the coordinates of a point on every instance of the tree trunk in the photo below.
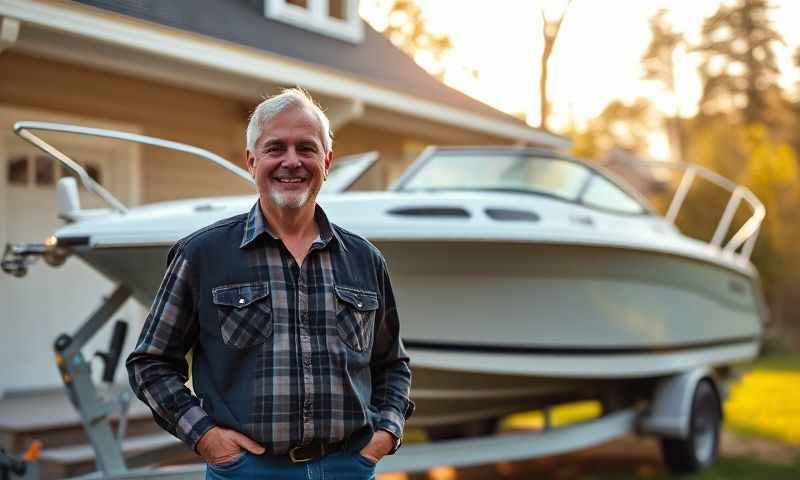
(544, 108)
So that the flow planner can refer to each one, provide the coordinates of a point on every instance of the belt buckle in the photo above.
(294, 459)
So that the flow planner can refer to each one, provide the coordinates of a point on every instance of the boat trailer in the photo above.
(690, 423)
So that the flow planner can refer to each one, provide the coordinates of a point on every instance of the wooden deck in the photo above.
(48, 416)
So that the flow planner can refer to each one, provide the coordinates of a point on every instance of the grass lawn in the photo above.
(776, 361)
(737, 468)
(765, 401)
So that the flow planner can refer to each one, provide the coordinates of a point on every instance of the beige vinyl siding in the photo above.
(199, 118)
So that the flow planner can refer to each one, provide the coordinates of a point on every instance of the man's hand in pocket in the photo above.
(221, 445)
(382, 442)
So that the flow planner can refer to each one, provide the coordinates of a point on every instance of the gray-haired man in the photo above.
(298, 368)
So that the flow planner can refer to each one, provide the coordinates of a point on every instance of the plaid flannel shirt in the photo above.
(325, 360)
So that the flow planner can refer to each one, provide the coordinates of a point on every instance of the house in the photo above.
(189, 71)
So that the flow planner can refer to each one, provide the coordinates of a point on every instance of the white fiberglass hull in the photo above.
(536, 314)
(496, 328)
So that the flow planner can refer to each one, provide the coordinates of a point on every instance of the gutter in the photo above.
(160, 41)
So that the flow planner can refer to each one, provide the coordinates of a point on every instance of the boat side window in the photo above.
(601, 193)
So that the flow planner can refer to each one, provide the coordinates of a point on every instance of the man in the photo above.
(298, 369)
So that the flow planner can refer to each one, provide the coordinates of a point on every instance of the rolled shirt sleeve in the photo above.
(157, 367)
(391, 372)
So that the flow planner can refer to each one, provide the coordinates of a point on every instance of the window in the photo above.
(603, 194)
(45, 171)
(335, 18)
(509, 172)
(94, 171)
(18, 170)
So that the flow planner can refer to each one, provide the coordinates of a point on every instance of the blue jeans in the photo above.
(336, 466)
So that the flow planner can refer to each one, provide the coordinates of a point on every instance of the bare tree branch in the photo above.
(550, 29)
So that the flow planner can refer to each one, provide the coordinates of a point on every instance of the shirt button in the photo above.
(241, 301)
(359, 304)
(307, 362)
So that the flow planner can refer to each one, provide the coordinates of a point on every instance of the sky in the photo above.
(596, 58)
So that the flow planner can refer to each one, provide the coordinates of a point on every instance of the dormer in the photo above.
(335, 18)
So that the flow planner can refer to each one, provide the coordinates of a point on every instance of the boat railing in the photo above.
(24, 130)
(742, 242)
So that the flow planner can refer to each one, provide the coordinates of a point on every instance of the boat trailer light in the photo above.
(17, 257)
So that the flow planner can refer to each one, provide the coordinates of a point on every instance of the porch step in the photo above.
(157, 449)
(48, 416)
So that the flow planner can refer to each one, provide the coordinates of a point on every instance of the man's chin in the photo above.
(295, 201)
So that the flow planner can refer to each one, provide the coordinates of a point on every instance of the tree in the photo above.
(406, 28)
(550, 29)
(738, 59)
(659, 66)
(753, 157)
(619, 125)
(772, 175)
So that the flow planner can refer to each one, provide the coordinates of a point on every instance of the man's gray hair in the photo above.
(272, 106)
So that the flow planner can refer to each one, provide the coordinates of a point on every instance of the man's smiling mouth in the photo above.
(290, 179)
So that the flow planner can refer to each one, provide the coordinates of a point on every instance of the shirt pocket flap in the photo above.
(362, 301)
(240, 295)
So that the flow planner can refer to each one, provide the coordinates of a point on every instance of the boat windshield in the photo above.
(519, 173)
(346, 171)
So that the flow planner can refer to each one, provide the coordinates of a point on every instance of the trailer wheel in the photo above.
(699, 450)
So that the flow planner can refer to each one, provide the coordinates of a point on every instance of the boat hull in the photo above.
(494, 328)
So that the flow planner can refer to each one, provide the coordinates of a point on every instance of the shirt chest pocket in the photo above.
(355, 317)
(245, 313)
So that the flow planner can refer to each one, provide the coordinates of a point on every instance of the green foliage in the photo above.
(739, 62)
(736, 468)
(772, 175)
(657, 60)
(752, 157)
(620, 125)
(408, 31)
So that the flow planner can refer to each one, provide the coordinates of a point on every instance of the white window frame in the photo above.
(316, 18)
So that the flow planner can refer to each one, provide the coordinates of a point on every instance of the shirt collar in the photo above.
(256, 225)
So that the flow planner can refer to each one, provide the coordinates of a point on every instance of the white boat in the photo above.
(524, 278)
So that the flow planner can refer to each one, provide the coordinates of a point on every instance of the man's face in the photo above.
(289, 162)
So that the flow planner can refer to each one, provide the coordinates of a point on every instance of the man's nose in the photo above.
(291, 159)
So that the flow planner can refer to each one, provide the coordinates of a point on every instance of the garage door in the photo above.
(49, 301)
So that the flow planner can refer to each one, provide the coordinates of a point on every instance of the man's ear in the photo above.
(328, 162)
(250, 161)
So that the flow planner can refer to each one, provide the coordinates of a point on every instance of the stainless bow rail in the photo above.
(743, 240)
(23, 130)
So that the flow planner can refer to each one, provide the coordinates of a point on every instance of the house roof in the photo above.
(242, 22)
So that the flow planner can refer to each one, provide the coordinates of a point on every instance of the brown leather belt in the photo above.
(314, 450)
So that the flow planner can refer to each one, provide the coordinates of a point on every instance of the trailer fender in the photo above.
(671, 405)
